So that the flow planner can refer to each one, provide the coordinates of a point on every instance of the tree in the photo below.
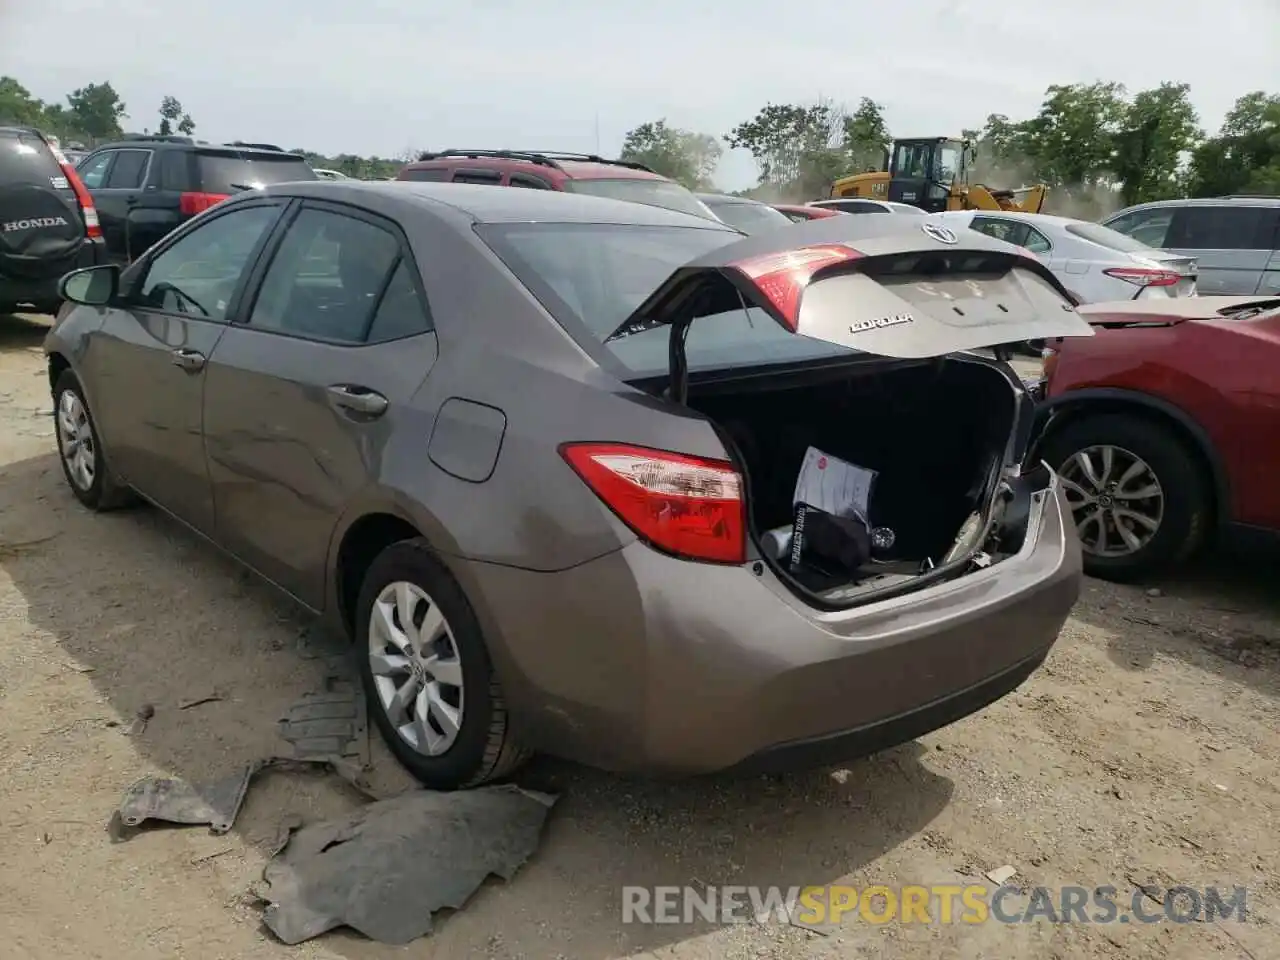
(1245, 155)
(1160, 128)
(686, 157)
(866, 136)
(17, 105)
(173, 116)
(798, 149)
(97, 110)
(1071, 140)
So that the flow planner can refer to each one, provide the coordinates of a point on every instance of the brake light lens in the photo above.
(90, 213)
(781, 277)
(1145, 276)
(189, 204)
(690, 507)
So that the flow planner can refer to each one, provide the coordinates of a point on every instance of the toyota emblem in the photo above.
(938, 232)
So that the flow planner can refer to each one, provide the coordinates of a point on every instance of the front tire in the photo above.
(84, 464)
(427, 673)
(1138, 495)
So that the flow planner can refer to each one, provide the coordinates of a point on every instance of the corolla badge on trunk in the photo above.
(939, 232)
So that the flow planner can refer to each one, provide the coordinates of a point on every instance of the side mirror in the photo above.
(92, 286)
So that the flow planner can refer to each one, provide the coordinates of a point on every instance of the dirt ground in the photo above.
(1145, 751)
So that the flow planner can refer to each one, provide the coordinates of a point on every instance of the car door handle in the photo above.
(360, 399)
(188, 360)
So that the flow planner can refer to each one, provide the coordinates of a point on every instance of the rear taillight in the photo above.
(87, 210)
(1145, 276)
(687, 506)
(782, 277)
(189, 204)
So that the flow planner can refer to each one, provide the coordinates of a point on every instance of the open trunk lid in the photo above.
(895, 289)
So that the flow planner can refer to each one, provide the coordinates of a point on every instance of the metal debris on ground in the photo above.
(328, 728)
(214, 697)
(331, 725)
(386, 868)
(140, 720)
(176, 801)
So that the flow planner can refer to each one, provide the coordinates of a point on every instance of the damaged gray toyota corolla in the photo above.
(595, 478)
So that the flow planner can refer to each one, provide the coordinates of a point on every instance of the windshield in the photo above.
(1106, 237)
(230, 171)
(591, 277)
(750, 218)
(656, 193)
(946, 162)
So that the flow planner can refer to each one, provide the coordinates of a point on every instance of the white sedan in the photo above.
(1095, 263)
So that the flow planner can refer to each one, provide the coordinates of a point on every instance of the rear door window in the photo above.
(327, 277)
(490, 177)
(1223, 228)
(1010, 231)
(129, 171)
(231, 171)
(26, 159)
(1149, 227)
(175, 170)
(424, 174)
(525, 180)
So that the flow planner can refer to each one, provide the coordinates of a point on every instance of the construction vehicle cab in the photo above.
(932, 173)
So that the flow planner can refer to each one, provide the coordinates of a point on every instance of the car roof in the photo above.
(486, 204)
(1034, 219)
(187, 143)
(1235, 201)
(583, 168)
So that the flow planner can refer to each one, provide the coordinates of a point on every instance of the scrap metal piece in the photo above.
(328, 727)
(176, 801)
(386, 868)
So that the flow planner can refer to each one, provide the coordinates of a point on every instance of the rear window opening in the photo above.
(231, 171)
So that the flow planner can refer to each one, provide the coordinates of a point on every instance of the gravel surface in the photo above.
(1144, 752)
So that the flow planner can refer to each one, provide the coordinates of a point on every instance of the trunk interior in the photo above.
(935, 432)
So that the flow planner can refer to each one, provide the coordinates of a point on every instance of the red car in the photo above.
(553, 170)
(799, 212)
(1165, 427)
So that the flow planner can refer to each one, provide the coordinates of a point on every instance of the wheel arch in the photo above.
(1075, 405)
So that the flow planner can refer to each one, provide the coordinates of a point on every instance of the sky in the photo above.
(386, 76)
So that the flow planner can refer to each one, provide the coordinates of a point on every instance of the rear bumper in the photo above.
(43, 294)
(639, 663)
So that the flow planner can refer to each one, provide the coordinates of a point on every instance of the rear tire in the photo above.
(407, 582)
(84, 462)
(1183, 509)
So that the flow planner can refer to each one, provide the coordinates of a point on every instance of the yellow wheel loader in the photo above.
(932, 173)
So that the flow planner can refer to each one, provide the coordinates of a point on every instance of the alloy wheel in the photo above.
(1115, 497)
(416, 668)
(76, 440)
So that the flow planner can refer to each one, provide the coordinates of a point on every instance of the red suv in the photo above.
(548, 170)
(1165, 427)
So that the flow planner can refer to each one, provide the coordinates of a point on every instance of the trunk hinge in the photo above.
(678, 362)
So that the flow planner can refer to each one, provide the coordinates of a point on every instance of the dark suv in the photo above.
(145, 186)
(47, 222)
(552, 170)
